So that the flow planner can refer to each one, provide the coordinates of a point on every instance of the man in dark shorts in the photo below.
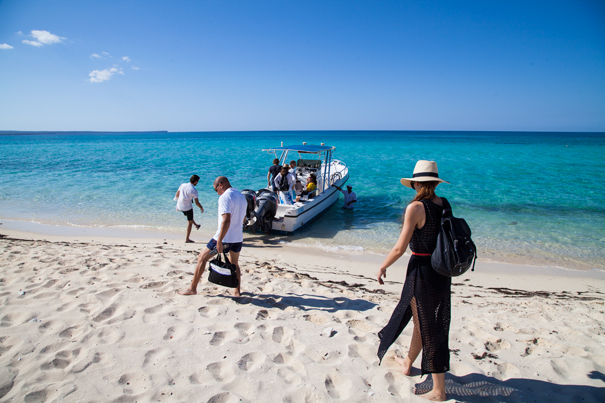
(273, 171)
(186, 194)
(229, 236)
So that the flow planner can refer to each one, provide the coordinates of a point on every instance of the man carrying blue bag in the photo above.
(229, 236)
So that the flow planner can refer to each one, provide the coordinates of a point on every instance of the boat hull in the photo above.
(298, 217)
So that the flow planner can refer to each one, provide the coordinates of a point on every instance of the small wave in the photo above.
(328, 248)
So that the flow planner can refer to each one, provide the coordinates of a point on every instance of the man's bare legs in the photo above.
(234, 259)
(415, 344)
(202, 259)
(190, 224)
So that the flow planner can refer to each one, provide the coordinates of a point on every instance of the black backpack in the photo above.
(455, 251)
(283, 184)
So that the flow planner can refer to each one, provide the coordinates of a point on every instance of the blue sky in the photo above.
(302, 65)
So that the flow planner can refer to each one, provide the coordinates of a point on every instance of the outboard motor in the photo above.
(250, 220)
(266, 208)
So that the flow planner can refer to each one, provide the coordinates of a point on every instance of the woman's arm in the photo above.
(414, 214)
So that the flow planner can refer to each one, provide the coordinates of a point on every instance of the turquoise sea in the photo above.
(532, 198)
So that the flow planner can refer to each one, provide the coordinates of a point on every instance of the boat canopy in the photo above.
(311, 148)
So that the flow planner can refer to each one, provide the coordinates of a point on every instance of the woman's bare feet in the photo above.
(406, 364)
(435, 396)
(187, 292)
(189, 241)
(197, 226)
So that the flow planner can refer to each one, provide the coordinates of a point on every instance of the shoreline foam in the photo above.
(291, 241)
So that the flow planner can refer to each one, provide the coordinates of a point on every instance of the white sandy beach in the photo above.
(88, 318)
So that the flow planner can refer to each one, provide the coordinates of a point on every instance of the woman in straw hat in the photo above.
(426, 294)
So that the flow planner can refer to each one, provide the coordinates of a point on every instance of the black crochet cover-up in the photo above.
(433, 299)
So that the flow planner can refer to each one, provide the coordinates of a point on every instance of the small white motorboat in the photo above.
(264, 211)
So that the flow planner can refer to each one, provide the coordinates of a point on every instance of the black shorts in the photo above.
(189, 214)
(227, 247)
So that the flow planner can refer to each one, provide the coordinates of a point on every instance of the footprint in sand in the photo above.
(56, 363)
(497, 345)
(221, 371)
(278, 334)
(156, 356)
(132, 383)
(360, 325)
(225, 397)
(501, 326)
(282, 359)
(106, 314)
(262, 314)
(245, 332)
(200, 377)
(38, 396)
(317, 319)
(153, 309)
(49, 283)
(68, 270)
(69, 332)
(110, 335)
(393, 385)
(6, 321)
(507, 370)
(251, 361)
(177, 333)
(218, 338)
(338, 387)
(106, 294)
(289, 376)
(83, 364)
(365, 352)
(153, 284)
(75, 291)
(211, 312)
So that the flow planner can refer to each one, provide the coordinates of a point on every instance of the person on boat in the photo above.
(293, 168)
(273, 172)
(350, 197)
(185, 195)
(310, 187)
(426, 295)
(298, 187)
(229, 236)
(285, 185)
(311, 184)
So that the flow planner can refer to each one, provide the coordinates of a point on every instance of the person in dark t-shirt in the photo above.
(273, 172)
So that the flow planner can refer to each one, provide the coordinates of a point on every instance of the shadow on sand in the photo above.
(476, 388)
(305, 302)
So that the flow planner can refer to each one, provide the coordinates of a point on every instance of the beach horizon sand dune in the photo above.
(85, 320)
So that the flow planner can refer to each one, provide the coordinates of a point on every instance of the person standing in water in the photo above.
(186, 194)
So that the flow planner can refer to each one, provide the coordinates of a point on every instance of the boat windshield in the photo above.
(310, 159)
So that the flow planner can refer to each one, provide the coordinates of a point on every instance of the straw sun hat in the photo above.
(424, 171)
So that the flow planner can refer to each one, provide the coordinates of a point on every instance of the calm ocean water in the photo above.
(533, 198)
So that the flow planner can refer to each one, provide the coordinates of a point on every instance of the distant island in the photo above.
(17, 132)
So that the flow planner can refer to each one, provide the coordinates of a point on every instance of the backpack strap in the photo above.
(447, 208)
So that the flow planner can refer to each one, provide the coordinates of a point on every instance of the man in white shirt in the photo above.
(184, 197)
(229, 236)
(350, 197)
